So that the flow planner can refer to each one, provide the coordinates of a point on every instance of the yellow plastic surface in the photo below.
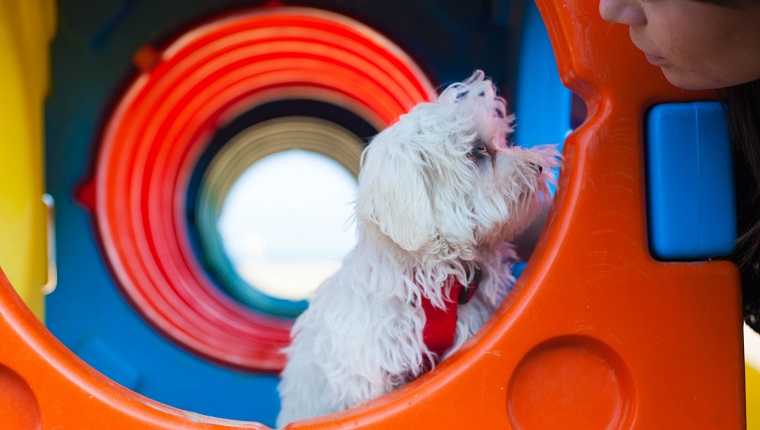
(26, 28)
(753, 398)
(752, 377)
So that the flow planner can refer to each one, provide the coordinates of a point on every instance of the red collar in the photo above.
(441, 324)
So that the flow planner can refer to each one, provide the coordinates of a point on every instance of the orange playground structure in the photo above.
(591, 336)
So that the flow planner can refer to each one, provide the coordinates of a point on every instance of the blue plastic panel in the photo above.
(690, 183)
(542, 104)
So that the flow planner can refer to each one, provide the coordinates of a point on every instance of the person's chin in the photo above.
(686, 81)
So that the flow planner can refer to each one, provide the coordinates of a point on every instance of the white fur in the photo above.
(426, 210)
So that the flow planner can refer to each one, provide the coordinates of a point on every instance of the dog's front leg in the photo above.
(526, 241)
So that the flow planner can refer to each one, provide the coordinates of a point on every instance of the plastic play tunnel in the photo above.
(596, 334)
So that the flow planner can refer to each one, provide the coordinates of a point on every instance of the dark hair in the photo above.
(742, 103)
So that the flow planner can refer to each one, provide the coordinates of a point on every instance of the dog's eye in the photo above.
(479, 150)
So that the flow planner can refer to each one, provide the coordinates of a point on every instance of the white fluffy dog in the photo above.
(441, 195)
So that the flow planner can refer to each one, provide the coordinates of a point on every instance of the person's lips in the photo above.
(654, 59)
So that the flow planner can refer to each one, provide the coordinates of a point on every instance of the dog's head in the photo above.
(443, 181)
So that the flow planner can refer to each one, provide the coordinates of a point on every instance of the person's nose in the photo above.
(627, 12)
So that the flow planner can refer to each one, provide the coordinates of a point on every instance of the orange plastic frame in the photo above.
(596, 335)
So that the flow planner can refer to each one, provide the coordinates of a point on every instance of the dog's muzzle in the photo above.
(539, 169)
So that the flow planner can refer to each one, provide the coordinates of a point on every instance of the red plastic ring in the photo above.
(165, 120)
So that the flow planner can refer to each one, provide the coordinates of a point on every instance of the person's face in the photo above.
(697, 45)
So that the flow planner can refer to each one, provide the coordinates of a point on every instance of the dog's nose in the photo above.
(537, 168)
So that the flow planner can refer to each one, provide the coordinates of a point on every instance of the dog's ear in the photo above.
(393, 193)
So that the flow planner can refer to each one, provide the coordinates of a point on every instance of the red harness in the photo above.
(441, 324)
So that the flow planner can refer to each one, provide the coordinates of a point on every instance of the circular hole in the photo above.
(571, 379)
(288, 250)
(286, 223)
